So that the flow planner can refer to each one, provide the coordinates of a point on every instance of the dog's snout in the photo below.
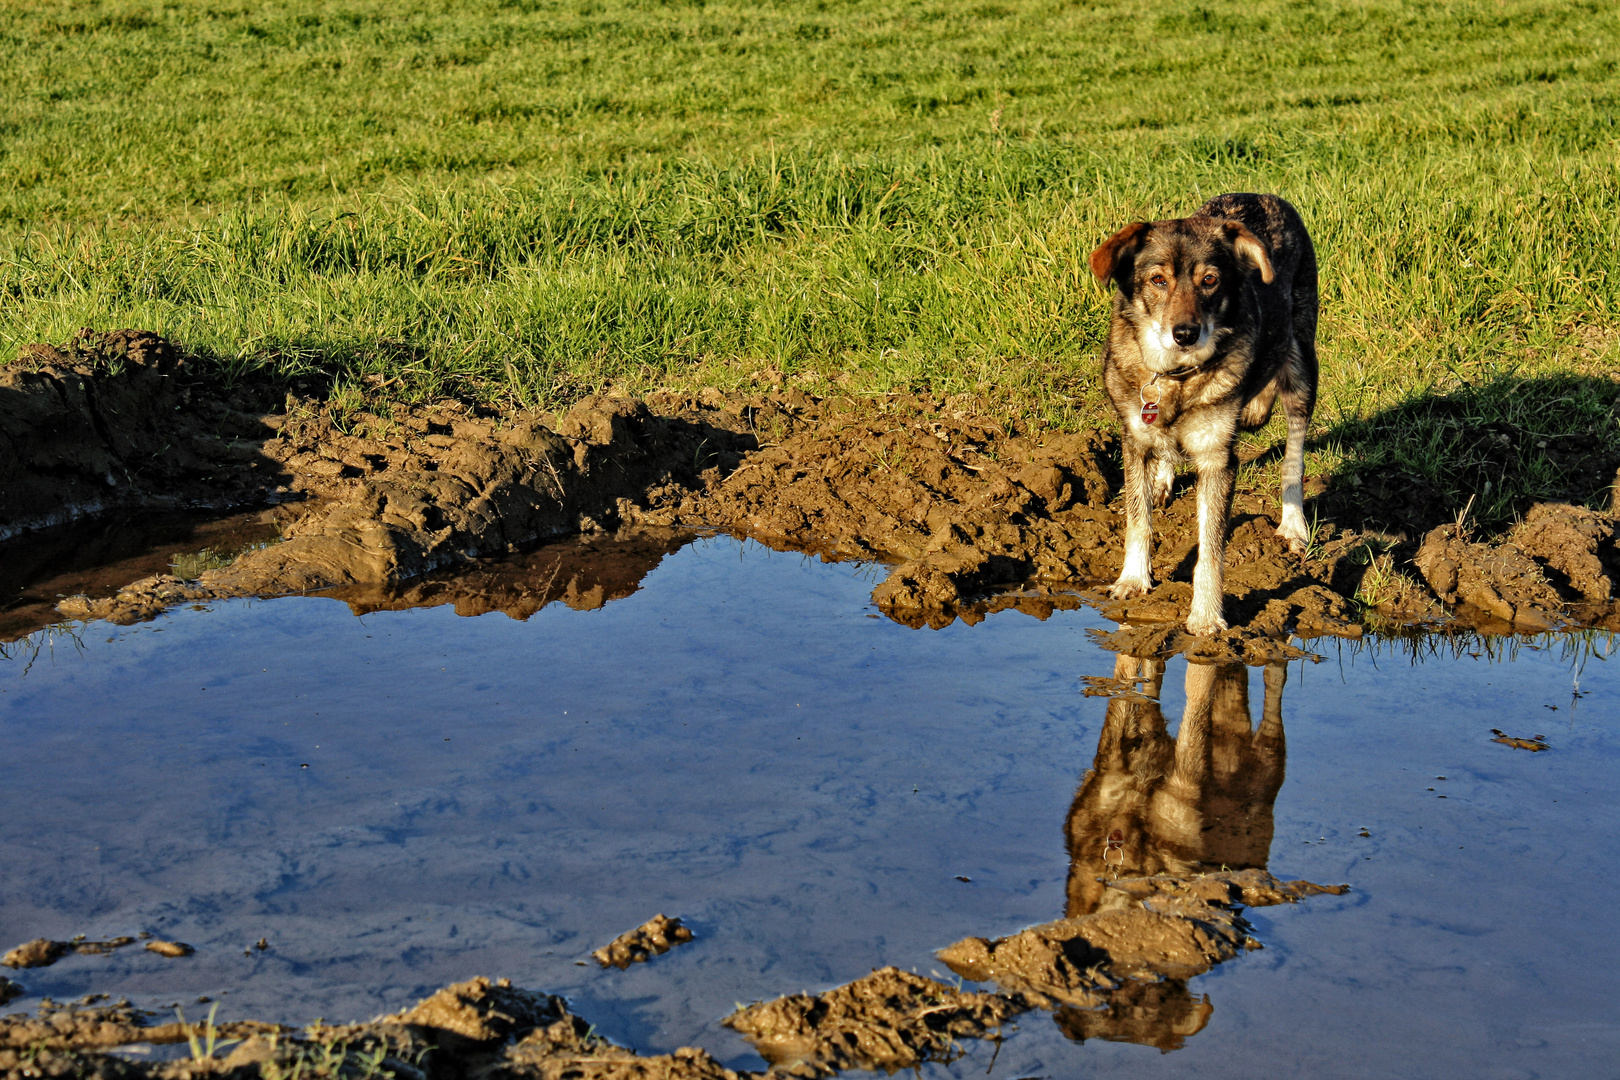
(1186, 333)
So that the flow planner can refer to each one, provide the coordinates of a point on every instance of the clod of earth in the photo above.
(170, 948)
(1172, 928)
(10, 991)
(961, 505)
(41, 952)
(654, 937)
(101, 948)
(889, 1020)
(1537, 743)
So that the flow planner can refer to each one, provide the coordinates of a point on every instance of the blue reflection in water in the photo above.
(407, 798)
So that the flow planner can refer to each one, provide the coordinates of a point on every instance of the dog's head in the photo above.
(1180, 281)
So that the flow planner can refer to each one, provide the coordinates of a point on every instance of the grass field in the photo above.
(526, 200)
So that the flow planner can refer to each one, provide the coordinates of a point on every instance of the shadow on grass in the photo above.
(1492, 450)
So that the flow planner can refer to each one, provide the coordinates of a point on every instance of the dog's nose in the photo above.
(1186, 333)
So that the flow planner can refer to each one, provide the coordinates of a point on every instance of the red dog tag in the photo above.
(1150, 412)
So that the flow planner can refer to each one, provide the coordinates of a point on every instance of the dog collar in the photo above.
(1178, 373)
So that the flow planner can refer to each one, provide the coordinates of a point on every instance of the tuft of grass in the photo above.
(523, 201)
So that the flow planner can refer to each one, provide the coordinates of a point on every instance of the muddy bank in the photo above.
(963, 507)
(1111, 965)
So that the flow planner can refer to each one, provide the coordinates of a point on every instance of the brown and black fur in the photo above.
(1221, 307)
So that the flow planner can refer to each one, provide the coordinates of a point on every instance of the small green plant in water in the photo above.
(203, 1047)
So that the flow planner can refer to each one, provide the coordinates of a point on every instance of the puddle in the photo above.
(99, 556)
(405, 798)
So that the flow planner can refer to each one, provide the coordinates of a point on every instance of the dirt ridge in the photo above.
(961, 505)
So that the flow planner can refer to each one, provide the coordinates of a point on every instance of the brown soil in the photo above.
(1534, 745)
(963, 507)
(887, 1020)
(654, 937)
(1170, 928)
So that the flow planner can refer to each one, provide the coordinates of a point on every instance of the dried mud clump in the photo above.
(488, 1029)
(171, 949)
(1556, 566)
(10, 991)
(81, 1030)
(1177, 927)
(887, 1020)
(654, 937)
(41, 952)
(476, 1030)
(1535, 745)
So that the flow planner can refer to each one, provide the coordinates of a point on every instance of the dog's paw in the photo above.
(1293, 529)
(1127, 588)
(1204, 625)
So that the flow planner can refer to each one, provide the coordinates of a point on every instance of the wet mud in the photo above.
(1536, 744)
(889, 1020)
(961, 506)
(99, 556)
(1117, 974)
(654, 937)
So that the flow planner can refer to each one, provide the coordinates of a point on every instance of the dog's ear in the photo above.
(1250, 250)
(1117, 250)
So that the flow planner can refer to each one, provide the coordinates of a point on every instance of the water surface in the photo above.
(404, 798)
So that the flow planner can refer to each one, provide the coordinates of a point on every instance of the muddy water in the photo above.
(396, 800)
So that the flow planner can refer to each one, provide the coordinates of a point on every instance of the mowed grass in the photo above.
(526, 201)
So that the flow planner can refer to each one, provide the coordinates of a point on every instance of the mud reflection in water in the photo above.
(736, 742)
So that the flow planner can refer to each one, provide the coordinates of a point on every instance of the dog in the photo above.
(1214, 319)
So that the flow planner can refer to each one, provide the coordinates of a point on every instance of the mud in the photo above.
(962, 506)
(43, 952)
(1536, 744)
(654, 937)
(101, 555)
(476, 1029)
(1171, 928)
(1116, 974)
(889, 1020)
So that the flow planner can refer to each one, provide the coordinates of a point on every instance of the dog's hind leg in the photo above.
(1136, 577)
(1216, 471)
(1162, 477)
(1298, 398)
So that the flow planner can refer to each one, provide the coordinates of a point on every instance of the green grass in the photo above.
(526, 201)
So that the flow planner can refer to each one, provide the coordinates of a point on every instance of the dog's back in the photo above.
(1290, 301)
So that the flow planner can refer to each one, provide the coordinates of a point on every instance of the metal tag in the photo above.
(1150, 412)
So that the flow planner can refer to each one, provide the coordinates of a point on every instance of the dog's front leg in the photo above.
(1136, 578)
(1215, 474)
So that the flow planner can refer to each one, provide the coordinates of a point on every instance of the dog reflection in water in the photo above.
(1153, 804)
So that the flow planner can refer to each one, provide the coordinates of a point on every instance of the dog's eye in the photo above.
(1210, 280)
(1158, 281)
